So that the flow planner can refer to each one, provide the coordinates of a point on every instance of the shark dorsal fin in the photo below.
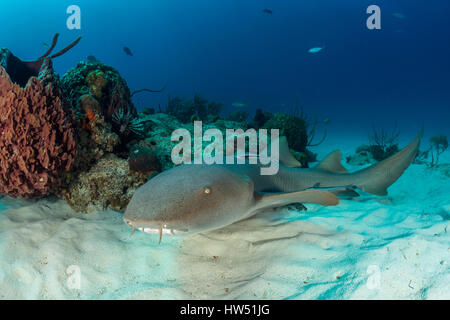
(332, 163)
(286, 157)
(324, 198)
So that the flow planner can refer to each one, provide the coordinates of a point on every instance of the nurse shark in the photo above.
(193, 198)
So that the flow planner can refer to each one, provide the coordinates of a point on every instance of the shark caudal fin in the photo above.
(377, 178)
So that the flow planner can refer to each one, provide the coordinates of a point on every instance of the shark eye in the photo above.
(206, 190)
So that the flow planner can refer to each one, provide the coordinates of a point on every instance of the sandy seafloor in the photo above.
(396, 247)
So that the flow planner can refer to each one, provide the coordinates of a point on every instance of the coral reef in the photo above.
(438, 145)
(108, 184)
(144, 160)
(384, 144)
(127, 122)
(96, 82)
(158, 131)
(294, 128)
(260, 118)
(185, 109)
(38, 142)
(82, 138)
(362, 156)
(105, 84)
(238, 116)
(94, 122)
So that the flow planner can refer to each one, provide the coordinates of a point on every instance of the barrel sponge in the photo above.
(37, 139)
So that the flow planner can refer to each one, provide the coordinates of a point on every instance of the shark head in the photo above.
(189, 199)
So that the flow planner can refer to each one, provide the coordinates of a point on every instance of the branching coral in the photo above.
(37, 141)
(438, 145)
(384, 144)
(311, 127)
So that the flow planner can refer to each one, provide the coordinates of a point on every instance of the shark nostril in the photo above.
(128, 223)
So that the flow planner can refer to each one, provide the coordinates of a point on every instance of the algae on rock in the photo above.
(108, 184)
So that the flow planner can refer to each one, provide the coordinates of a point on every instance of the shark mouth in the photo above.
(161, 230)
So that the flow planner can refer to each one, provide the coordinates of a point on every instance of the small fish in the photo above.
(268, 11)
(315, 49)
(127, 51)
(399, 15)
(239, 104)
(326, 121)
(44, 44)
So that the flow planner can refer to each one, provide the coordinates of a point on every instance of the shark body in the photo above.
(196, 198)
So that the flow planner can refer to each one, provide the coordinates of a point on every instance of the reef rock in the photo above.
(142, 159)
(37, 141)
(108, 184)
(198, 108)
(362, 156)
(158, 132)
(294, 128)
(105, 84)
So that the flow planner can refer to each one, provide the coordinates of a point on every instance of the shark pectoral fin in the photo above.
(332, 163)
(286, 157)
(324, 198)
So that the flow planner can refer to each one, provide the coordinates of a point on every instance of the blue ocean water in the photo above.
(233, 51)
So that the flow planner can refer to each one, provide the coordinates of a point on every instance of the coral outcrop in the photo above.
(143, 160)
(96, 82)
(110, 90)
(37, 140)
(362, 156)
(108, 184)
(294, 128)
(260, 118)
(198, 108)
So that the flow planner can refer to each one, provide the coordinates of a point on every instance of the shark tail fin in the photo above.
(377, 178)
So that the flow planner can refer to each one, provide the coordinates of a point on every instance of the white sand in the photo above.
(389, 248)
